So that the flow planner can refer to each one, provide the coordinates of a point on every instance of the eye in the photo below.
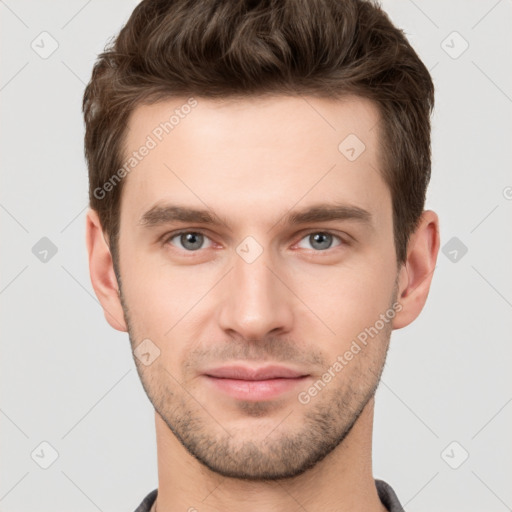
(189, 240)
(320, 240)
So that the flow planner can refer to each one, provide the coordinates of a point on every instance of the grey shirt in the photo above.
(386, 494)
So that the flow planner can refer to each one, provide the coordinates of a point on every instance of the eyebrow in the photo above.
(167, 213)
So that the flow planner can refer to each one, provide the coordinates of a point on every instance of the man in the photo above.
(257, 182)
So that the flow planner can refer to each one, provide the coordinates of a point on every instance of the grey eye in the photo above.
(320, 241)
(190, 240)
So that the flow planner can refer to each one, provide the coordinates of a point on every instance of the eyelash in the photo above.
(343, 242)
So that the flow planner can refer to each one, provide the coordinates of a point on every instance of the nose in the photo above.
(255, 302)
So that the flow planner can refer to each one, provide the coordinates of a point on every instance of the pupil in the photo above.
(191, 240)
(323, 239)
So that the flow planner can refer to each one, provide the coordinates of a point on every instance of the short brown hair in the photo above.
(237, 48)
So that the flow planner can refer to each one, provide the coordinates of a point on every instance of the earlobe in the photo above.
(102, 273)
(416, 274)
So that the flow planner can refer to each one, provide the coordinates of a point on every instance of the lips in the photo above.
(254, 384)
(261, 373)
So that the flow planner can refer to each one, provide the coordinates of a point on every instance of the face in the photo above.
(257, 262)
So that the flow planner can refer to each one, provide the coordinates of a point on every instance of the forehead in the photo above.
(250, 153)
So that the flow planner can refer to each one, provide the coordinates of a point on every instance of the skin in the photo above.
(251, 162)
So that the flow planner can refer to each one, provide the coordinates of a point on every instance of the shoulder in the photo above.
(388, 496)
(147, 502)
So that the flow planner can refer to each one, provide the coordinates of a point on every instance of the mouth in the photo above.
(254, 384)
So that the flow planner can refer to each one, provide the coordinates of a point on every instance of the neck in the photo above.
(342, 481)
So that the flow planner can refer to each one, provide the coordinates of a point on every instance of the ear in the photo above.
(101, 269)
(416, 274)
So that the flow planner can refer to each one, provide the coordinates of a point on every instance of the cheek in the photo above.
(347, 298)
(161, 297)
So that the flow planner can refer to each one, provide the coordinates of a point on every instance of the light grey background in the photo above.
(68, 379)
